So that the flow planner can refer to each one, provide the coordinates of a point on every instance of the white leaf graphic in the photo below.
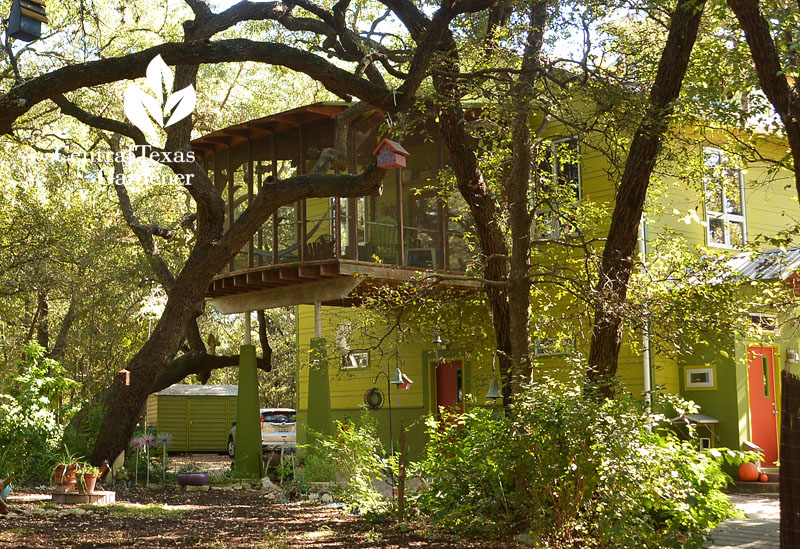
(159, 78)
(140, 107)
(183, 101)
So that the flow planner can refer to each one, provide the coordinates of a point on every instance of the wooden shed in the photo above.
(198, 417)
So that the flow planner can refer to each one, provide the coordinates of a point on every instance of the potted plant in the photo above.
(65, 474)
(191, 475)
(87, 474)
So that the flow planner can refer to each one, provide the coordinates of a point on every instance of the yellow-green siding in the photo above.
(196, 423)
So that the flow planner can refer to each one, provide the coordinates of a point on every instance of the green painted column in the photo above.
(319, 390)
(248, 461)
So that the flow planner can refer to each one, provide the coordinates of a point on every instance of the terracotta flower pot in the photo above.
(88, 483)
(65, 476)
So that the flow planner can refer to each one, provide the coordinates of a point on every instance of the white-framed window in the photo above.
(551, 346)
(767, 322)
(553, 196)
(723, 187)
(354, 361)
(700, 378)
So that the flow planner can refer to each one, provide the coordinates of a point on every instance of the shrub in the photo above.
(572, 471)
(354, 458)
(31, 416)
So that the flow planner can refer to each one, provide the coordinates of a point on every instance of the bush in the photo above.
(354, 459)
(572, 471)
(31, 416)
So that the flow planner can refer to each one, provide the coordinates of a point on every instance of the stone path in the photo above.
(761, 528)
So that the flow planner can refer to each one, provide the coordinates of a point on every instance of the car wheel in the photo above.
(231, 447)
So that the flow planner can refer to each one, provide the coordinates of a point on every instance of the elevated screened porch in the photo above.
(380, 239)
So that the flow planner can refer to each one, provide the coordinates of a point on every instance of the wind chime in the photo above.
(25, 21)
(494, 388)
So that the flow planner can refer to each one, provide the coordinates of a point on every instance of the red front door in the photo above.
(763, 409)
(450, 386)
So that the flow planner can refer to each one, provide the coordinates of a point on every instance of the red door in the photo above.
(763, 409)
(450, 386)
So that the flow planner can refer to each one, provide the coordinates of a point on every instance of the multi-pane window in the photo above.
(558, 187)
(724, 196)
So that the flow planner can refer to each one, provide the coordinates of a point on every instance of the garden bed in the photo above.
(216, 518)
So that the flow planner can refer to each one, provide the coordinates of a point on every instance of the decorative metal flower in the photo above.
(137, 443)
(163, 439)
(147, 440)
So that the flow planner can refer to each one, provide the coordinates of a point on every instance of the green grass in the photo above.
(151, 510)
(22, 531)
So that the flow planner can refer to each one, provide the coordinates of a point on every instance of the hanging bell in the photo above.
(398, 377)
(25, 20)
(437, 339)
(494, 390)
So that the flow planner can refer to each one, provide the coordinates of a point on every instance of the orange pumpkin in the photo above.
(763, 477)
(748, 471)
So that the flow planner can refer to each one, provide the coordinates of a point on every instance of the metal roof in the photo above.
(701, 419)
(777, 264)
(200, 390)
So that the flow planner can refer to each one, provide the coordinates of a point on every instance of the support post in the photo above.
(401, 475)
(317, 319)
(319, 391)
(248, 460)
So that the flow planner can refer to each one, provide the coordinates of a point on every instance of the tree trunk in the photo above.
(771, 76)
(186, 297)
(486, 216)
(519, 210)
(618, 255)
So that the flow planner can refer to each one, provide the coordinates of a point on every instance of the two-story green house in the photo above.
(325, 255)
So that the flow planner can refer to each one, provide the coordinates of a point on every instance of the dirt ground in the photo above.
(216, 518)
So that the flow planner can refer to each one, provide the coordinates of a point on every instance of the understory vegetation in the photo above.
(32, 417)
(560, 466)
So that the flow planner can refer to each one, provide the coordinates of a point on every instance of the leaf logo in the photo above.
(142, 108)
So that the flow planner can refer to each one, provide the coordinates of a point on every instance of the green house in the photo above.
(324, 256)
(198, 417)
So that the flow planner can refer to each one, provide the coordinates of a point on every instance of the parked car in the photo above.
(278, 431)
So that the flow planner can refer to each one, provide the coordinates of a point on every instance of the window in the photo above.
(552, 346)
(723, 185)
(768, 323)
(354, 361)
(554, 195)
(700, 378)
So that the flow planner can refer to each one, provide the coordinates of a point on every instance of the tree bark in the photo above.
(618, 254)
(517, 187)
(784, 98)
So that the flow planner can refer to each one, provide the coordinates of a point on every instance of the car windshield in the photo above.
(278, 418)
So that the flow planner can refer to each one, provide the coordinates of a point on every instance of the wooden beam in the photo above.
(296, 294)
(310, 272)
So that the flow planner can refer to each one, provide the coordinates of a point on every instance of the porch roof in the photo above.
(776, 264)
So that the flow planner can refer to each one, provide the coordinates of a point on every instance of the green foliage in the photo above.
(81, 440)
(570, 470)
(151, 511)
(30, 415)
(354, 459)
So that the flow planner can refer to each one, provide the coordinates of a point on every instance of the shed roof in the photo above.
(200, 390)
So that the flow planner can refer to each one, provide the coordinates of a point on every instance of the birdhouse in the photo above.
(391, 155)
(123, 378)
(25, 21)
